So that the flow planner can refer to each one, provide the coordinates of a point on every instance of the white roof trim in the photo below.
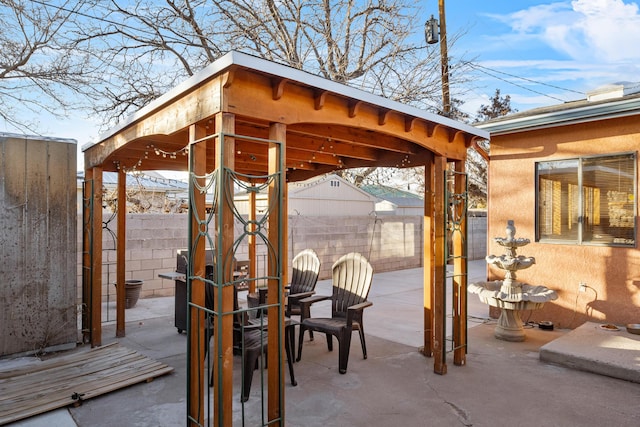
(263, 65)
(563, 117)
(37, 137)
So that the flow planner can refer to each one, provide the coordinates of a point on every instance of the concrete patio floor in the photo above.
(502, 384)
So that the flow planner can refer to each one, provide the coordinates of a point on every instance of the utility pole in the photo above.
(444, 61)
(431, 30)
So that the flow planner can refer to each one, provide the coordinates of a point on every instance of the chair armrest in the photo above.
(305, 304)
(301, 295)
(313, 299)
(355, 311)
(293, 302)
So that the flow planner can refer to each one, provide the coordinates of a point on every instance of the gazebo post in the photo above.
(87, 234)
(223, 347)
(439, 288)
(120, 253)
(459, 285)
(428, 263)
(195, 373)
(92, 259)
(275, 290)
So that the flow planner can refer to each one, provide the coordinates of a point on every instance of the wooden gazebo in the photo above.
(265, 124)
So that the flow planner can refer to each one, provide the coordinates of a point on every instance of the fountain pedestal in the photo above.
(510, 295)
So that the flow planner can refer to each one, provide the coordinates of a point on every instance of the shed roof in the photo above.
(394, 195)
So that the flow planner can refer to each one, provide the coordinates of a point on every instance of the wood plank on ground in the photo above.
(57, 382)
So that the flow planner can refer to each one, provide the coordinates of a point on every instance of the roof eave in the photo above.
(283, 71)
(582, 114)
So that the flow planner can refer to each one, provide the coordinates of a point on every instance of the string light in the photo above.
(171, 154)
(158, 152)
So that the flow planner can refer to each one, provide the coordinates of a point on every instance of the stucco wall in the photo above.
(612, 274)
(389, 242)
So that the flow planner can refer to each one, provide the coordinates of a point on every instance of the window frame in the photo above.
(579, 239)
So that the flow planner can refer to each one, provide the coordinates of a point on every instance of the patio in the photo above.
(503, 383)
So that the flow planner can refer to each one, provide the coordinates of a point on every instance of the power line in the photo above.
(101, 19)
(492, 72)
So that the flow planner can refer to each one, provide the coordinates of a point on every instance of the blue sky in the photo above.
(545, 52)
(538, 52)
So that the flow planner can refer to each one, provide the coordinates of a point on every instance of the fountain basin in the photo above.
(505, 262)
(522, 296)
(509, 295)
(527, 297)
(511, 242)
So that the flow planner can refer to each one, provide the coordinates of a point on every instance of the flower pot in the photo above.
(132, 292)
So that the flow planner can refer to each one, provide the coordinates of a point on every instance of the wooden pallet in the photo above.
(70, 379)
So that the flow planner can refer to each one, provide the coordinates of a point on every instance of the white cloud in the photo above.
(611, 29)
(599, 31)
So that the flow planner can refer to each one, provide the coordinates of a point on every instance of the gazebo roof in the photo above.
(329, 125)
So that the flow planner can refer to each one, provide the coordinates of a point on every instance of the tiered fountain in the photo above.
(510, 295)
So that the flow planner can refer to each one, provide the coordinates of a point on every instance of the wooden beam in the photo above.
(87, 264)
(350, 135)
(277, 86)
(275, 287)
(428, 270)
(121, 240)
(227, 78)
(460, 272)
(299, 141)
(409, 123)
(196, 267)
(383, 115)
(354, 106)
(458, 138)
(319, 98)
(223, 348)
(96, 258)
(439, 288)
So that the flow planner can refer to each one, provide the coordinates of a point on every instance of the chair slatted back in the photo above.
(352, 276)
(306, 268)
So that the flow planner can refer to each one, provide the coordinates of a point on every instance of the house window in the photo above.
(588, 200)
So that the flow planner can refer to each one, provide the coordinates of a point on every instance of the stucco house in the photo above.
(568, 176)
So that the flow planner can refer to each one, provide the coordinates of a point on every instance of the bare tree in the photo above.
(38, 66)
(476, 165)
(147, 47)
(134, 51)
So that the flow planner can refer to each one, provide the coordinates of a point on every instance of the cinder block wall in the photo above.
(389, 242)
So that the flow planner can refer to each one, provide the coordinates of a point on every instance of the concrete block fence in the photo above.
(389, 242)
